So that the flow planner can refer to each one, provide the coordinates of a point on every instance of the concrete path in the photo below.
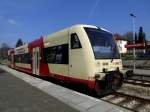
(31, 94)
(18, 96)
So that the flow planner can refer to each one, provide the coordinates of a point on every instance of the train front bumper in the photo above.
(110, 81)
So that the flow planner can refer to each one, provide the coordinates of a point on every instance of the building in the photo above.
(121, 44)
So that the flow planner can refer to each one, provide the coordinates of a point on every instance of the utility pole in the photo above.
(133, 21)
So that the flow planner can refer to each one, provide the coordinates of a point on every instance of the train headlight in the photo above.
(117, 69)
(97, 76)
(104, 70)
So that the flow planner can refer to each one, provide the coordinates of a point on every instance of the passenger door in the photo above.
(36, 61)
(75, 57)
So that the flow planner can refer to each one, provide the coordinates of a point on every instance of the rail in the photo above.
(127, 101)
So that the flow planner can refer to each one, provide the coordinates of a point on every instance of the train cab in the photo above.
(84, 54)
(96, 55)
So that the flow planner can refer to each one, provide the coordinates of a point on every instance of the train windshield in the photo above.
(103, 44)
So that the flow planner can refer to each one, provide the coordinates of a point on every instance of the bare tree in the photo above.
(117, 36)
(128, 36)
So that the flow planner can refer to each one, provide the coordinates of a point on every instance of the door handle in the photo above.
(70, 65)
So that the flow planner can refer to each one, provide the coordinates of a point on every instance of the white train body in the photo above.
(83, 54)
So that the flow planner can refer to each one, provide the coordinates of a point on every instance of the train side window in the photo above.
(58, 59)
(44, 60)
(26, 58)
(17, 59)
(56, 55)
(9, 58)
(62, 54)
(75, 42)
(65, 54)
(49, 54)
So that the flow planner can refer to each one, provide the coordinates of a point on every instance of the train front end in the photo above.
(107, 64)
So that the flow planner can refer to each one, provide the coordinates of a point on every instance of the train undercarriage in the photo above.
(111, 82)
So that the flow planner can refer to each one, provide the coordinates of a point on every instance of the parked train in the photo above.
(81, 54)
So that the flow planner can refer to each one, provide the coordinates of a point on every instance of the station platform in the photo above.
(20, 92)
(18, 96)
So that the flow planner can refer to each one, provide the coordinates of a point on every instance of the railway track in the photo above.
(141, 75)
(142, 68)
(134, 95)
(139, 79)
(143, 83)
(127, 101)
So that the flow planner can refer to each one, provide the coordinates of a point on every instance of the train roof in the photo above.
(90, 26)
(73, 26)
(22, 49)
(63, 32)
(84, 25)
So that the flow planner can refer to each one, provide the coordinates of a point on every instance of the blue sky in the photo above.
(30, 19)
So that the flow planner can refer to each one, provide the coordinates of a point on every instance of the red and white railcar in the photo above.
(81, 54)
